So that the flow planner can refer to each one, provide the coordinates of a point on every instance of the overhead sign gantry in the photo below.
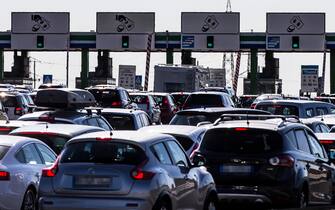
(126, 31)
(215, 31)
(40, 30)
(301, 32)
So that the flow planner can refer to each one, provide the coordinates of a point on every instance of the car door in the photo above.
(185, 179)
(325, 170)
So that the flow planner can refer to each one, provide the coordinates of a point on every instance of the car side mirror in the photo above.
(199, 160)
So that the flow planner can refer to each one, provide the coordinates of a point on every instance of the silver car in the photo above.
(125, 170)
(21, 162)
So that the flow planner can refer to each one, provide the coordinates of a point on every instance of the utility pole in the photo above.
(67, 62)
(34, 74)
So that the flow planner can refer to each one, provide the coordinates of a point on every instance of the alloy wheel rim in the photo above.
(29, 201)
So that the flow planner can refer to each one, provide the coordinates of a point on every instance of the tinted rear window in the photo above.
(103, 152)
(9, 101)
(205, 100)
(106, 96)
(188, 119)
(120, 122)
(56, 143)
(140, 99)
(3, 151)
(280, 109)
(242, 142)
(180, 98)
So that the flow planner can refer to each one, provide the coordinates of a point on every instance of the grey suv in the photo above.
(125, 170)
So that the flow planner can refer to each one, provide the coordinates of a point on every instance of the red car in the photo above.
(167, 105)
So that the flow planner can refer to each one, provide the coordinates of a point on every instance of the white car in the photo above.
(21, 162)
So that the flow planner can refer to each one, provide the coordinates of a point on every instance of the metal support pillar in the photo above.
(332, 71)
(253, 73)
(169, 56)
(84, 67)
(2, 64)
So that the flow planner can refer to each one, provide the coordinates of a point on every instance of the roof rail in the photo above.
(232, 117)
(204, 123)
(91, 108)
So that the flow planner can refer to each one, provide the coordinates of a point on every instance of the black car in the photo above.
(208, 99)
(274, 162)
(196, 116)
(110, 96)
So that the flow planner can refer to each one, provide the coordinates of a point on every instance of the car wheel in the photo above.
(29, 200)
(162, 205)
(302, 199)
(211, 203)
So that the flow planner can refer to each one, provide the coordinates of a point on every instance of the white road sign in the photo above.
(309, 78)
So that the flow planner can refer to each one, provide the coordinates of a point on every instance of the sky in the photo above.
(167, 15)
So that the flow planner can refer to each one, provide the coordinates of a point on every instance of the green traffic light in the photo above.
(210, 41)
(295, 42)
(125, 41)
(40, 41)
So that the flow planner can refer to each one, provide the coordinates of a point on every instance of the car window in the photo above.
(93, 122)
(324, 128)
(177, 154)
(204, 100)
(291, 137)
(145, 120)
(48, 156)
(193, 119)
(55, 142)
(279, 109)
(161, 154)
(309, 112)
(3, 151)
(332, 110)
(103, 152)
(318, 129)
(315, 146)
(321, 111)
(140, 99)
(9, 101)
(302, 141)
(120, 122)
(103, 124)
(29, 155)
(185, 142)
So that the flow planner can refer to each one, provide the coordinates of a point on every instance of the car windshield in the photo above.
(56, 143)
(204, 100)
(3, 151)
(120, 122)
(241, 141)
(103, 152)
(9, 101)
(280, 109)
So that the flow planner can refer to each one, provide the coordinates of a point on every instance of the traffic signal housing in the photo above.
(295, 42)
(125, 41)
(210, 41)
(40, 42)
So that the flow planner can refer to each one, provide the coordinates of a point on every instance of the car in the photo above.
(125, 170)
(245, 101)
(264, 97)
(112, 97)
(316, 125)
(51, 85)
(299, 108)
(167, 105)
(6, 126)
(208, 99)
(126, 119)
(21, 162)
(180, 98)
(326, 99)
(147, 103)
(274, 162)
(195, 116)
(54, 135)
(189, 137)
(15, 104)
(328, 142)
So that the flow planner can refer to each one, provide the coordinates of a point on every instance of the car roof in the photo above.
(273, 125)
(292, 102)
(220, 109)
(158, 94)
(18, 123)
(209, 93)
(121, 111)
(10, 93)
(62, 129)
(66, 114)
(141, 138)
(311, 120)
(173, 129)
(7, 140)
(139, 93)
(326, 136)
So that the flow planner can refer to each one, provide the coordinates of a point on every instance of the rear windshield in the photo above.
(140, 99)
(280, 109)
(185, 142)
(205, 100)
(241, 142)
(56, 143)
(180, 98)
(188, 119)
(3, 151)
(9, 101)
(120, 122)
(103, 152)
(106, 97)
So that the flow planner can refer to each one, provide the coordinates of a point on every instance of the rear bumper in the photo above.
(66, 203)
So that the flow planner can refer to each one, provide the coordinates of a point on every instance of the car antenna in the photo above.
(111, 133)
(46, 125)
(248, 123)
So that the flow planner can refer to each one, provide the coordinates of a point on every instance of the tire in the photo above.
(302, 199)
(211, 203)
(29, 200)
(162, 204)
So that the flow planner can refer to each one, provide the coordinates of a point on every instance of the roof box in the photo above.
(64, 98)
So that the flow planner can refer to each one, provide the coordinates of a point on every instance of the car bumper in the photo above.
(65, 203)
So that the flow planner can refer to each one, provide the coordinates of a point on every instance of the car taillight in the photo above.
(116, 103)
(139, 174)
(5, 129)
(18, 111)
(4, 176)
(103, 139)
(326, 141)
(51, 171)
(283, 160)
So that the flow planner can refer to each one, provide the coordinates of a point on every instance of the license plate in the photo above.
(235, 169)
(88, 181)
